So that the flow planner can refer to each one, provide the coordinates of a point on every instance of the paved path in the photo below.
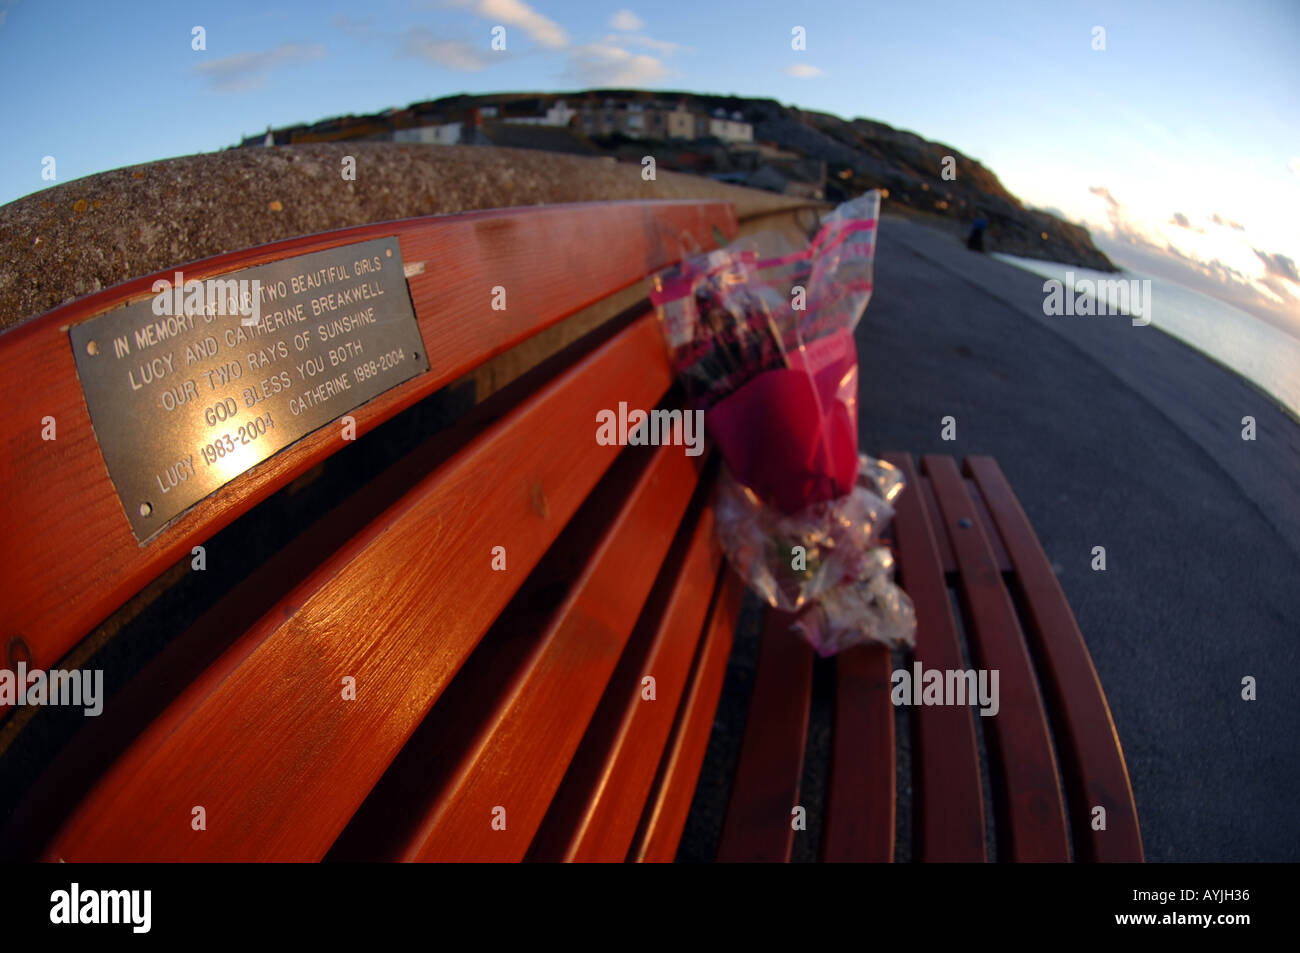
(1122, 437)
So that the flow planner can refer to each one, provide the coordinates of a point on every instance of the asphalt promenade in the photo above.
(1123, 437)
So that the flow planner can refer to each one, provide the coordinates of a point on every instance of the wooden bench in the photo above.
(965, 535)
(499, 715)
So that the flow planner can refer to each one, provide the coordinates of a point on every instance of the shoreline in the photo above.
(1281, 404)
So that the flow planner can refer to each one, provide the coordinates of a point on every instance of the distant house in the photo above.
(727, 128)
(460, 121)
(679, 123)
(665, 121)
(445, 134)
(634, 120)
(639, 120)
(558, 114)
(597, 120)
(607, 119)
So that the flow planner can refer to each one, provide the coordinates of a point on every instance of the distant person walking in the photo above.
(976, 240)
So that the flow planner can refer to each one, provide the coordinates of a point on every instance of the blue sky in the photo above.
(1178, 144)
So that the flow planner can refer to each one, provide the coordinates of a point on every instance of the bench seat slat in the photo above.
(263, 739)
(518, 758)
(438, 752)
(670, 801)
(59, 583)
(948, 810)
(1092, 759)
(758, 825)
(1030, 814)
(595, 814)
(946, 561)
(990, 526)
(860, 808)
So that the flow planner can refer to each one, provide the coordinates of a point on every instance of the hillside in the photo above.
(860, 154)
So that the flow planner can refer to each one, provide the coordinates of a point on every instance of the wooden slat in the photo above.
(1091, 755)
(665, 815)
(263, 740)
(860, 809)
(389, 819)
(1030, 813)
(65, 569)
(518, 758)
(595, 813)
(991, 533)
(935, 518)
(129, 711)
(948, 804)
(758, 826)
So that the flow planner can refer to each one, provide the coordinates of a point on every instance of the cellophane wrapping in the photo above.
(765, 347)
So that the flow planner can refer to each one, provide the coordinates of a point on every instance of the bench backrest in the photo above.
(538, 740)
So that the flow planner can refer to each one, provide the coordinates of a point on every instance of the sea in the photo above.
(1256, 349)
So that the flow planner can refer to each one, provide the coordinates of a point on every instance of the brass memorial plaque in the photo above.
(194, 385)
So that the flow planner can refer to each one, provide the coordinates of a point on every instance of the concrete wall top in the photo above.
(70, 240)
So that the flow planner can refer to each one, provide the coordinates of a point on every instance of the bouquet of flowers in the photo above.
(765, 347)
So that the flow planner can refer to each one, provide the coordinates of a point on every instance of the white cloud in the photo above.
(421, 42)
(517, 13)
(803, 71)
(1260, 282)
(243, 72)
(665, 47)
(1294, 165)
(626, 21)
(600, 64)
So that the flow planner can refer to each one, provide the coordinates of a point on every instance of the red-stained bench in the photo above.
(1053, 754)
(504, 715)
(522, 689)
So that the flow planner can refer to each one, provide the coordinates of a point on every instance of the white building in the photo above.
(448, 134)
(729, 128)
(560, 114)
(557, 115)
